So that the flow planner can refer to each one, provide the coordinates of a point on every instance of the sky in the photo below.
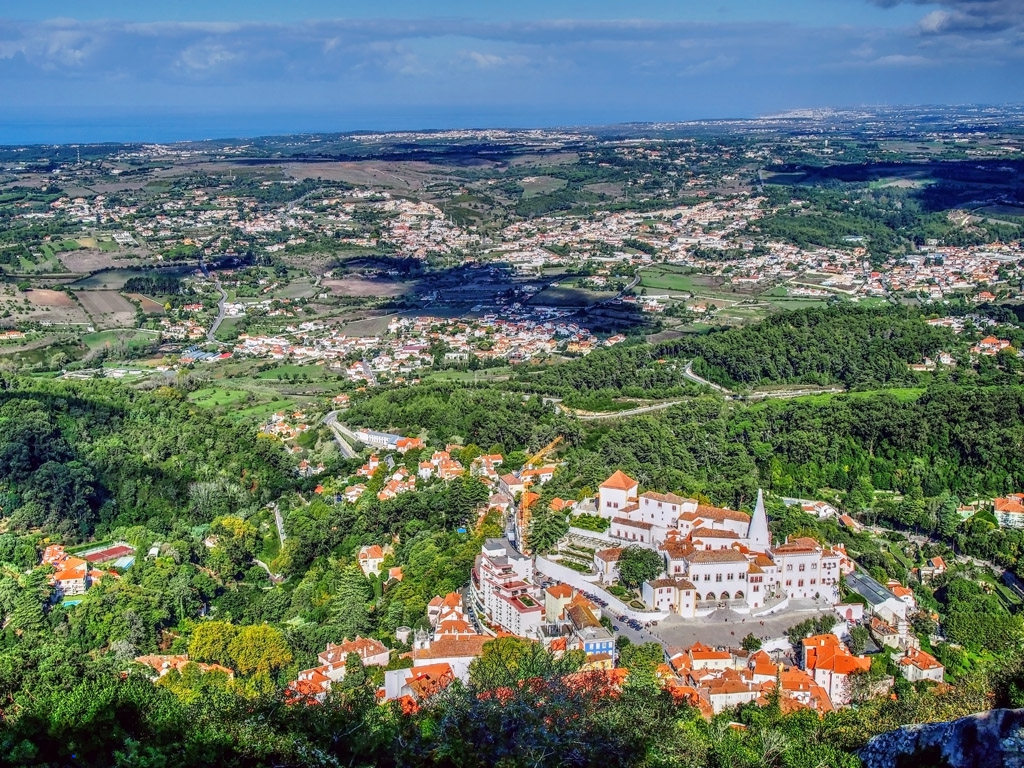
(72, 70)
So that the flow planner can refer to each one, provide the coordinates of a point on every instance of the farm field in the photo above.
(108, 338)
(108, 309)
(149, 306)
(363, 287)
(567, 297)
(42, 305)
(540, 185)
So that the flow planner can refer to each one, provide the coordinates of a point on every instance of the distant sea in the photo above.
(90, 128)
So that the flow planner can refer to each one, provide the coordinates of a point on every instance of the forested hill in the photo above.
(78, 458)
(842, 344)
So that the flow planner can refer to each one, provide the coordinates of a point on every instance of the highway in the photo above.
(331, 420)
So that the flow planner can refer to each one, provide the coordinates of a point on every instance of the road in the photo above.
(371, 377)
(280, 522)
(331, 420)
(211, 336)
(689, 374)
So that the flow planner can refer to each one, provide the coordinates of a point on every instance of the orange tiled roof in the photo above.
(620, 481)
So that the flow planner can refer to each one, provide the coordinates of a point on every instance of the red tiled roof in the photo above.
(620, 481)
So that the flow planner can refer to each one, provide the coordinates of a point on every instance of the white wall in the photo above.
(579, 581)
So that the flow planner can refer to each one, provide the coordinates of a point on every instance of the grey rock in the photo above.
(993, 739)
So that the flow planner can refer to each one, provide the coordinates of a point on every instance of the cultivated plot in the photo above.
(108, 309)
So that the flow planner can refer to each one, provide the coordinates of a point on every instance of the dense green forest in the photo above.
(842, 344)
(81, 459)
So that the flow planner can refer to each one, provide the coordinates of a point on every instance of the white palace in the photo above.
(717, 558)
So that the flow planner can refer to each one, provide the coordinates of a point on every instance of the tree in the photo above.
(355, 673)
(642, 658)
(546, 528)
(211, 641)
(259, 650)
(858, 640)
(507, 661)
(349, 609)
(637, 565)
(751, 642)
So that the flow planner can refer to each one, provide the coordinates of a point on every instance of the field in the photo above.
(214, 397)
(108, 309)
(109, 338)
(149, 306)
(667, 278)
(85, 261)
(567, 297)
(362, 287)
(540, 185)
(115, 278)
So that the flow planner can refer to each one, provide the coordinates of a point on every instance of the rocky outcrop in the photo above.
(993, 739)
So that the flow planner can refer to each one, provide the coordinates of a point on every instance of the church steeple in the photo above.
(758, 536)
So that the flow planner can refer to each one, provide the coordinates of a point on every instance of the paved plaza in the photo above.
(727, 628)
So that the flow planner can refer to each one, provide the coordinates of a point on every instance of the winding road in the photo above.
(331, 420)
(689, 374)
(211, 335)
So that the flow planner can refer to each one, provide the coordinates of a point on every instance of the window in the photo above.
(801, 566)
(707, 577)
(757, 588)
(789, 566)
(800, 583)
(729, 576)
(814, 566)
(813, 582)
(718, 577)
(789, 582)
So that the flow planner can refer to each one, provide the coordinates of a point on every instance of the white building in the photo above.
(503, 589)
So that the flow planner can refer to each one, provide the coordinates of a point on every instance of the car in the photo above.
(615, 627)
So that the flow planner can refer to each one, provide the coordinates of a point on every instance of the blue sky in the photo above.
(118, 69)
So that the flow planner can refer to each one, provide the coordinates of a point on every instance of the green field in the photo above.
(214, 397)
(541, 185)
(102, 338)
(261, 412)
(291, 371)
(667, 279)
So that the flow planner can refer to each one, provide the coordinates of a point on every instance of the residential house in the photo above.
(830, 663)
(916, 665)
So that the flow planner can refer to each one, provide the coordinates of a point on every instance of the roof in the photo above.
(452, 647)
(633, 523)
(868, 588)
(669, 498)
(560, 591)
(1008, 504)
(827, 653)
(717, 556)
(720, 513)
(610, 555)
(920, 659)
(681, 584)
(620, 481)
(372, 552)
(798, 545)
(713, 533)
